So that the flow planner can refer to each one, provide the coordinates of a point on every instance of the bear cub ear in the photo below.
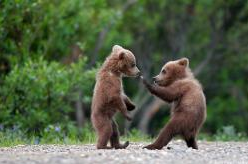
(116, 48)
(119, 50)
(183, 62)
(121, 55)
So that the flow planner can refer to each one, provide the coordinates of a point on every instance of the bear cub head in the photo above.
(172, 71)
(125, 61)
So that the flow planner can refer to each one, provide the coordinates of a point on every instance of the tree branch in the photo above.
(211, 47)
(102, 35)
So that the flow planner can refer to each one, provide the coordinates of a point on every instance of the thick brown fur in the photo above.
(176, 84)
(109, 96)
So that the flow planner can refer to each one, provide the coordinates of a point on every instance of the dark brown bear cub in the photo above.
(109, 96)
(176, 84)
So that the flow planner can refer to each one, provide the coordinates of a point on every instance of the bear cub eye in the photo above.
(163, 71)
(133, 65)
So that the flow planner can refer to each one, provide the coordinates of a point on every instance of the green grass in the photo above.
(7, 139)
(51, 135)
(10, 138)
(87, 136)
(226, 133)
(136, 136)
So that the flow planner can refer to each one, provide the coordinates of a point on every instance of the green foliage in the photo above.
(49, 28)
(39, 94)
(228, 133)
(10, 138)
(55, 134)
(136, 136)
(59, 135)
(155, 30)
(52, 134)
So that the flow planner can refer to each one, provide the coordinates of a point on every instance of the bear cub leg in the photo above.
(191, 142)
(114, 139)
(104, 134)
(165, 136)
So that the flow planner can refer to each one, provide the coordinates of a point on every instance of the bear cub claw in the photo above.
(122, 146)
(152, 147)
(146, 83)
(143, 80)
(131, 107)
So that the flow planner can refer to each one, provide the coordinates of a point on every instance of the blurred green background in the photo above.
(50, 51)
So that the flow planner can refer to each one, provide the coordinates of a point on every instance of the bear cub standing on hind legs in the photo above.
(176, 84)
(109, 96)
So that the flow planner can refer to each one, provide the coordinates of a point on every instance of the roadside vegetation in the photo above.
(50, 52)
(56, 135)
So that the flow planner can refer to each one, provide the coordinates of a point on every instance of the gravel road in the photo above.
(209, 152)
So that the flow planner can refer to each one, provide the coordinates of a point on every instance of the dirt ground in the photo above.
(209, 152)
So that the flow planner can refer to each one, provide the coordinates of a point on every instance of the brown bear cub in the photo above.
(109, 96)
(176, 84)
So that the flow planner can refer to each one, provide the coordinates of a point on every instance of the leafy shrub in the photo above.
(31, 28)
(228, 133)
(39, 94)
(50, 135)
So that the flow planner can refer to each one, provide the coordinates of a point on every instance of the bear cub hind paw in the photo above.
(152, 147)
(122, 146)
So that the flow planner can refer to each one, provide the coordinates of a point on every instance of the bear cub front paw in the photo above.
(145, 82)
(130, 107)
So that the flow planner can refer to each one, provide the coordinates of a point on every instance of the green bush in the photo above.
(229, 133)
(50, 135)
(39, 94)
(31, 28)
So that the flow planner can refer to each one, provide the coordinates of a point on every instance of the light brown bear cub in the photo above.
(176, 84)
(109, 96)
